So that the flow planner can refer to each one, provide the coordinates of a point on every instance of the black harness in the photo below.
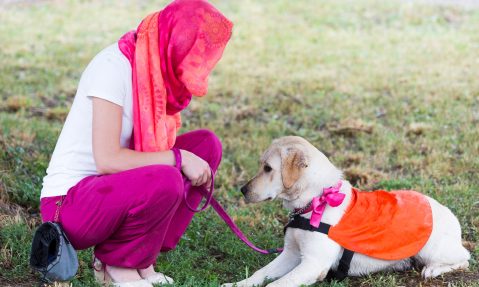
(345, 261)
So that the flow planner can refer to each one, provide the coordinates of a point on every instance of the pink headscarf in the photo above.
(171, 53)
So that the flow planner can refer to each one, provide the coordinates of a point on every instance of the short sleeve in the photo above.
(106, 78)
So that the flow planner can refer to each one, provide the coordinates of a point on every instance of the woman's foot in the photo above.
(153, 277)
(147, 272)
(117, 276)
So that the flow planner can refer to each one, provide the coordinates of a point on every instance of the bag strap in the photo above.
(57, 212)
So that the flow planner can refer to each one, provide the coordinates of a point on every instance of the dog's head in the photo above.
(287, 169)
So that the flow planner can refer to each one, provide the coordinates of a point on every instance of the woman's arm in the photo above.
(110, 157)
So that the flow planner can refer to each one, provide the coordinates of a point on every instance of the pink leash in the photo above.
(228, 220)
(221, 211)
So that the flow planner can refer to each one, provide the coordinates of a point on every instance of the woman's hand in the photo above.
(195, 168)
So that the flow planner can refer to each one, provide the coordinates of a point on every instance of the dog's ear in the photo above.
(293, 162)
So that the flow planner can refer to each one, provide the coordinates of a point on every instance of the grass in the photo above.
(388, 90)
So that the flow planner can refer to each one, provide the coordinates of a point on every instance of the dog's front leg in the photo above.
(281, 265)
(318, 254)
(284, 263)
(306, 273)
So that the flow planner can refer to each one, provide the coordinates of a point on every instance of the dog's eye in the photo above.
(267, 168)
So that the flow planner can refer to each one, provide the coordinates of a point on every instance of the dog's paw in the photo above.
(432, 271)
(228, 285)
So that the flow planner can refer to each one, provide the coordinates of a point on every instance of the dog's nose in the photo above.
(244, 189)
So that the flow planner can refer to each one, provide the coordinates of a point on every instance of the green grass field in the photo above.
(388, 90)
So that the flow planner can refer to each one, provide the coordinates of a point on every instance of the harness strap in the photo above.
(343, 267)
(303, 223)
(344, 263)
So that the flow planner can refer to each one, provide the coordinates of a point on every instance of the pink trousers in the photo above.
(131, 216)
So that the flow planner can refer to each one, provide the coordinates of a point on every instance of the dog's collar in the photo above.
(330, 195)
(302, 210)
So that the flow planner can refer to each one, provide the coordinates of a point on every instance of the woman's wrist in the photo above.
(185, 156)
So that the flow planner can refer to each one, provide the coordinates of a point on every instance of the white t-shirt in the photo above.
(107, 76)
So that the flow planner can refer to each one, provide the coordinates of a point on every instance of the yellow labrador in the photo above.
(295, 171)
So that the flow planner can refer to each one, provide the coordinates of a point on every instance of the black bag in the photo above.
(52, 253)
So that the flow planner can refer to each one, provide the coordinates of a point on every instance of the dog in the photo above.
(296, 172)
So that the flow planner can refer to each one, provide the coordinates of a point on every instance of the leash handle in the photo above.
(178, 162)
(209, 195)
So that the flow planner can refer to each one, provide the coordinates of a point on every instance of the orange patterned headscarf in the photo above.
(172, 53)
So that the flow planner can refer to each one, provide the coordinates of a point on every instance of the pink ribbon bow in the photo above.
(331, 196)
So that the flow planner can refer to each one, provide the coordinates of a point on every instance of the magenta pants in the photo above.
(131, 216)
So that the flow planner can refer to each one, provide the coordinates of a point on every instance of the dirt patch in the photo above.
(353, 159)
(363, 177)
(25, 282)
(31, 280)
(417, 129)
(11, 213)
(469, 245)
(413, 279)
(350, 127)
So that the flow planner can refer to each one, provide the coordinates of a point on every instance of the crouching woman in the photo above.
(119, 171)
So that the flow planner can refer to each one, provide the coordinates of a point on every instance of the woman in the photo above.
(118, 174)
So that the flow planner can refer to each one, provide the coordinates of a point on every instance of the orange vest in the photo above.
(385, 225)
